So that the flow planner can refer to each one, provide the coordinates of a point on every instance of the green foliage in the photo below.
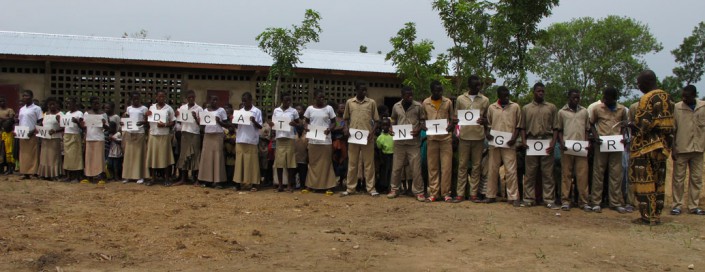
(690, 56)
(591, 55)
(491, 38)
(284, 45)
(363, 49)
(673, 86)
(414, 63)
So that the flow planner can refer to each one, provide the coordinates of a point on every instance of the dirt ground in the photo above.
(54, 226)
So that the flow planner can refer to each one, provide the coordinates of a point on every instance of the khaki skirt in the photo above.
(95, 158)
(320, 167)
(190, 151)
(246, 164)
(159, 153)
(50, 159)
(134, 157)
(73, 152)
(29, 155)
(212, 165)
(285, 154)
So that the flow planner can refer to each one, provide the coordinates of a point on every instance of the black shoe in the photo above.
(489, 200)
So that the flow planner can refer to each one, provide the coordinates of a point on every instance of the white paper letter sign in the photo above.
(21, 132)
(316, 133)
(402, 132)
(43, 132)
(358, 136)
(468, 117)
(159, 116)
(500, 138)
(129, 124)
(208, 118)
(93, 120)
(537, 147)
(576, 148)
(66, 121)
(242, 117)
(281, 123)
(437, 127)
(612, 143)
(185, 117)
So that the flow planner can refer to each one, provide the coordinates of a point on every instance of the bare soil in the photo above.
(53, 226)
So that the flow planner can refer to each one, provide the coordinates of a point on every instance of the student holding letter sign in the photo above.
(95, 143)
(472, 138)
(247, 173)
(28, 117)
(211, 162)
(361, 114)
(572, 125)
(320, 174)
(135, 142)
(50, 154)
(538, 120)
(73, 143)
(440, 147)
(190, 145)
(608, 118)
(503, 116)
(285, 153)
(159, 155)
(411, 113)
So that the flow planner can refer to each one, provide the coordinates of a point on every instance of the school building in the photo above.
(111, 68)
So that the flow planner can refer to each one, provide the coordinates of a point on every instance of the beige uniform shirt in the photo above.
(482, 103)
(445, 111)
(606, 121)
(361, 113)
(505, 119)
(574, 124)
(538, 120)
(411, 116)
(690, 127)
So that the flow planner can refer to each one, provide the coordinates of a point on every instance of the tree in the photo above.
(285, 46)
(690, 56)
(591, 55)
(363, 49)
(491, 38)
(413, 61)
(142, 34)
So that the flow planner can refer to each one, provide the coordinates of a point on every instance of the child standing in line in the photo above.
(135, 143)
(247, 169)
(50, 150)
(73, 142)
(385, 143)
(8, 141)
(115, 153)
(159, 153)
(301, 149)
(229, 147)
(95, 143)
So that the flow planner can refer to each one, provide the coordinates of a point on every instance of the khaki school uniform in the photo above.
(506, 119)
(688, 148)
(606, 123)
(573, 125)
(538, 120)
(408, 150)
(470, 145)
(439, 150)
(361, 115)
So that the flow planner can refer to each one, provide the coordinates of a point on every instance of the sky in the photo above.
(346, 24)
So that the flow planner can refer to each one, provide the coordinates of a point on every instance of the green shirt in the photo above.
(385, 143)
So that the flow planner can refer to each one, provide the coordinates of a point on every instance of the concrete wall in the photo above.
(34, 82)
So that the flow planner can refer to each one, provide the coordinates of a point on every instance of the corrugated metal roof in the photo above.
(39, 44)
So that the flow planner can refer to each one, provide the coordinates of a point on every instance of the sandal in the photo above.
(697, 211)
(253, 189)
(676, 211)
(329, 193)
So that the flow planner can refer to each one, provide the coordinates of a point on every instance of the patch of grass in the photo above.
(540, 255)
